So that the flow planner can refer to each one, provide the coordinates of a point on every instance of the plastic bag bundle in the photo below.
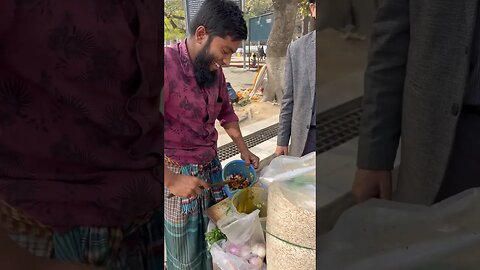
(245, 245)
(284, 168)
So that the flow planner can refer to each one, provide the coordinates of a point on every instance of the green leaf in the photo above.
(214, 236)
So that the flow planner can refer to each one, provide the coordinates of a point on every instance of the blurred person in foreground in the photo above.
(422, 86)
(81, 135)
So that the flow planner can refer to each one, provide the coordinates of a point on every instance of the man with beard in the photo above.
(195, 97)
(297, 117)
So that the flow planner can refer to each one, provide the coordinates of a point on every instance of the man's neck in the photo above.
(192, 53)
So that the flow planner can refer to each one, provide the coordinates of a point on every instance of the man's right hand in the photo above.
(372, 184)
(184, 186)
(281, 150)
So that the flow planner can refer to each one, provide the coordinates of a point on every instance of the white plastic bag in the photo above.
(245, 232)
(242, 229)
(301, 191)
(227, 261)
(284, 168)
(392, 235)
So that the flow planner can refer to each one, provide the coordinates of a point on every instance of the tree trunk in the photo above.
(280, 36)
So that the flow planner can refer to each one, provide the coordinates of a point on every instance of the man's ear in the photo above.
(201, 35)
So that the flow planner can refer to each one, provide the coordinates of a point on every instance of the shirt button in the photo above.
(455, 109)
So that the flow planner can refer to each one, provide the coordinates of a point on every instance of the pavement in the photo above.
(254, 116)
(339, 80)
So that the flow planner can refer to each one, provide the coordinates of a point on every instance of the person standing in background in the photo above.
(297, 119)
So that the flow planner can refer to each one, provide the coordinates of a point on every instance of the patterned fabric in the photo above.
(41, 246)
(190, 134)
(18, 222)
(80, 128)
(136, 247)
(186, 221)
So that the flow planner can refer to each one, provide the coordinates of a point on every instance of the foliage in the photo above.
(304, 7)
(174, 20)
(254, 8)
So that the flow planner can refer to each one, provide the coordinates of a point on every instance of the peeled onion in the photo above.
(259, 250)
(257, 262)
(245, 251)
(233, 249)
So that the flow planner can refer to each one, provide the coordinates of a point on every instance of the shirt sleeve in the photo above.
(227, 114)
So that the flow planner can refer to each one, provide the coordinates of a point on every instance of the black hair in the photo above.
(220, 18)
(312, 1)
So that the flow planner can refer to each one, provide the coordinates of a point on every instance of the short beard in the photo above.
(204, 76)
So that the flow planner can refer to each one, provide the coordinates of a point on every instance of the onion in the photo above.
(233, 249)
(245, 251)
(256, 261)
(259, 250)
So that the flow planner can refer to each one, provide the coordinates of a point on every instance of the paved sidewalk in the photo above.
(262, 114)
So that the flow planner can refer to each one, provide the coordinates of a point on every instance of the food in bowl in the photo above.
(236, 181)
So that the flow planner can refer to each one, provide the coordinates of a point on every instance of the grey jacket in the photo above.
(414, 87)
(298, 100)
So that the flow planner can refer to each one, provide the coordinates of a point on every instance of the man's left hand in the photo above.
(250, 158)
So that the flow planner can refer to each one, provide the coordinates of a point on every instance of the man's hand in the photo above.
(370, 184)
(184, 186)
(281, 150)
(250, 158)
(233, 130)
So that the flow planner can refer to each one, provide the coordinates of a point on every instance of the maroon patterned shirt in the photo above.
(191, 111)
(81, 138)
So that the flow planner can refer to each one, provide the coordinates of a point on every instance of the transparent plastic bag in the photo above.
(382, 234)
(245, 233)
(300, 191)
(242, 229)
(227, 261)
(284, 168)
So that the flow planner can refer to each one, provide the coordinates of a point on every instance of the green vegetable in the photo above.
(244, 102)
(214, 236)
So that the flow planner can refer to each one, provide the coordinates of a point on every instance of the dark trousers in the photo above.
(311, 144)
(463, 171)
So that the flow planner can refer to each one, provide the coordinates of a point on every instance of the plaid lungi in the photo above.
(186, 219)
(138, 246)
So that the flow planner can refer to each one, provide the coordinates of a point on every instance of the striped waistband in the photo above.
(15, 221)
(201, 167)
